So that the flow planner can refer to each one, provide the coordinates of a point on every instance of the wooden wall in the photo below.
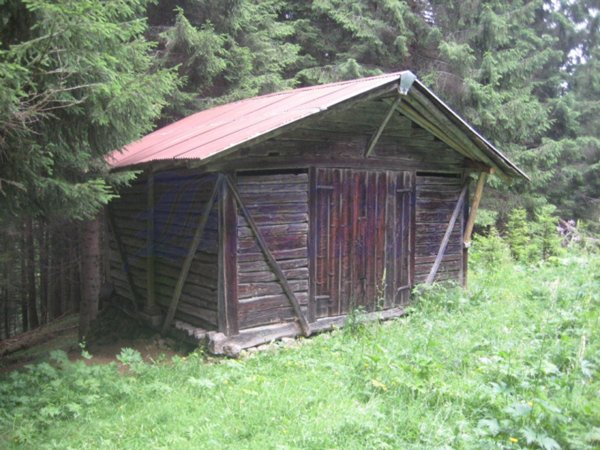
(178, 200)
(129, 218)
(278, 204)
(338, 139)
(273, 182)
(437, 195)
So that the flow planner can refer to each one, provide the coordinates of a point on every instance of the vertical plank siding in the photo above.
(363, 232)
(279, 205)
(435, 201)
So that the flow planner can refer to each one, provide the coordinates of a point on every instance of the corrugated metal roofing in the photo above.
(209, 133)
(215, 130)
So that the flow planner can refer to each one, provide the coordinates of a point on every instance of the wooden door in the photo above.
(363, 224)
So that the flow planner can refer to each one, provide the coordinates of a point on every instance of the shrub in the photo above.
(489, 252)
(519, 235)
(547, 241)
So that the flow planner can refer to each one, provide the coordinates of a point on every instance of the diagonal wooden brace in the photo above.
(123, 256)
(375, 138)
(444, 244)
(187, 263)
(270, 259)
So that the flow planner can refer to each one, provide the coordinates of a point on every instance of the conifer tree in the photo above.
(223, 51)
(343, 40)
(77, 83)
(519, 234)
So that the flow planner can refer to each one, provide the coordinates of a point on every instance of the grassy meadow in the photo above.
(512, 362)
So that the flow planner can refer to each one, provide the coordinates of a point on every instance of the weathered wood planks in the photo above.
(447, 234)
(187, 262)
(316, 231)
(268, 237)
(173, 213)
(435, 201)
(364, 239)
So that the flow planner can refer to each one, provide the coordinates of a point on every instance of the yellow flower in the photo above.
(378, 384)
(513, 440)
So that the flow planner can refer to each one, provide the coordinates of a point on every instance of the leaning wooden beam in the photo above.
(444, 244)
(187, 263)
(270, 259)
(474, 207)
(135, 298)
(375, 138)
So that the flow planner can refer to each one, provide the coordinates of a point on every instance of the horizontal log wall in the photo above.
(279, 205)
(179, 197)
(436, 198)
(129, 218)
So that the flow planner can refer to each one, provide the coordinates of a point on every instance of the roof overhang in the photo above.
(213, 134)
(472, 140)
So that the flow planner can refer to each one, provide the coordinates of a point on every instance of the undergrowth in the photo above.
(512, 362)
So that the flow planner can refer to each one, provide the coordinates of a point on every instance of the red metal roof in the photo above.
(215, 130)
(211, 132)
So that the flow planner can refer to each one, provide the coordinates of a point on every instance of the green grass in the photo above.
(513, 362)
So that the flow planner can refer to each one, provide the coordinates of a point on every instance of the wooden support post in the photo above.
(375, 138)
(135, 298)
(150, 306)
(444, 244)
(474, 207)
(390, 240)
(270, 259)
(187, 263)
(227, 295)
(312, 244)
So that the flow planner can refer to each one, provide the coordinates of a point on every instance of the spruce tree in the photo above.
(77, 83)
(519, 235)
(223, 51)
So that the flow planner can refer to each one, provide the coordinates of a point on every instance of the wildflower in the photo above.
(513, 440)
(379, 385)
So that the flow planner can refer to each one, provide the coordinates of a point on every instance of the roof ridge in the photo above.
(324, 86)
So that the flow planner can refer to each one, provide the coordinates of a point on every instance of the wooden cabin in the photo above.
(279, 215)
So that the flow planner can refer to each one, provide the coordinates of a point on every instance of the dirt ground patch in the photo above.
(110, 334)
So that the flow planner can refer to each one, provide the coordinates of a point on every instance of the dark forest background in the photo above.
(80, 78)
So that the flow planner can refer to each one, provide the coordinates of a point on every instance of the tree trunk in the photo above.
(7, 311)
(90, 275)
(5, 292)
(43, 240)
(23, 290)
(31, 289)
(56, 281)
(74, 287)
